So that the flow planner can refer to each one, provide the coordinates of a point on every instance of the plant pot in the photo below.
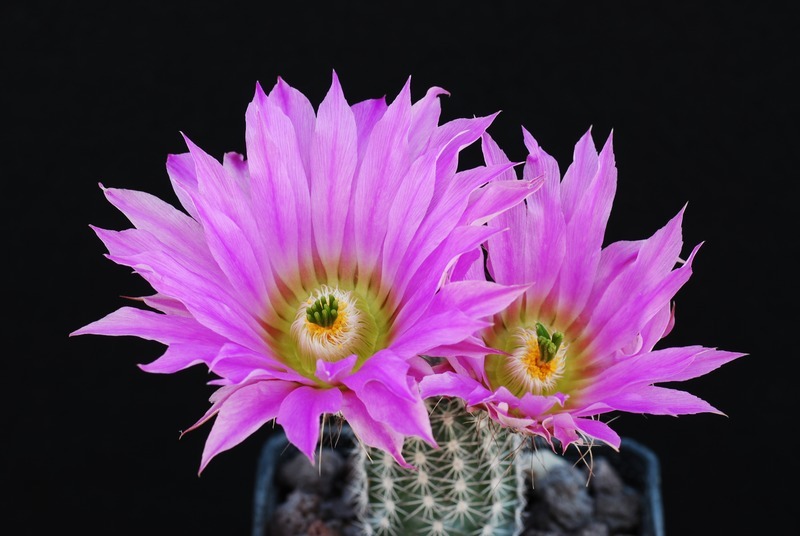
(635, 464)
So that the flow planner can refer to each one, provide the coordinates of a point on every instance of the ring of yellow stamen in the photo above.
(526, 370)
(353, 331)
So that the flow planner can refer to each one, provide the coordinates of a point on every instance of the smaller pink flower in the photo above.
(580, 342)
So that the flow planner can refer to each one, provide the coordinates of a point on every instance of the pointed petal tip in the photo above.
(203, 465)
(336, 85)
(406, 86)
(438, 91)
(189, 143)
(587, 138)
(146, 367)
(259, 95)
(609, 144)
(195, 151)
(75, 333)
(258, 90)
(491, 117)
(185, 138)
(532, 145)
(526, 132)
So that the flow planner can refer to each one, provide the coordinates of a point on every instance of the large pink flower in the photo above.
(580, 341)
(311, 275)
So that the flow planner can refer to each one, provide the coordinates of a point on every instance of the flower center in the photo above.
(333, 324)
(536, 363)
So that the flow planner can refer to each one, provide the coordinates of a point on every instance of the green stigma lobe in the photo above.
(323, 311)
(548, 344)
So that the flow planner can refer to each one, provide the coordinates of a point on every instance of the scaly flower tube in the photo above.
(310, 276)
(579, 343)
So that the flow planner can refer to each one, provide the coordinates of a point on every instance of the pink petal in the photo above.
(536, 406)
(469, 266)
(497, 197)
(231, 232)
(544, 244)
(235, 363)
(437, 330)
(432, 274)
(564, 429)
(449, 384)
(642, 303)
(210, 304)
(180, 168)
(166, 304)
(386, 162)
(189, 342)
(371, 432)
(279, 188)
(587, 195)
(240, 413)
(300, 413)
(169, 225)
(367, 113)
(599, 430)
(494, 155)
(300, 112)
(580, 175)
(660, 401)
(452, 137)
(476, 299)
(149, 325)
(702, 362)
(334, 150)
(235, 167)
(388, 393)
(385, 367)
(443, 216)
(533, 247)
(336, 372)
(406, 214)
(424, 120)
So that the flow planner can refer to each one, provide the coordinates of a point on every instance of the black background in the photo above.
(703, 111)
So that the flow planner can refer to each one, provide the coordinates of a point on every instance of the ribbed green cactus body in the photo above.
(470, 485)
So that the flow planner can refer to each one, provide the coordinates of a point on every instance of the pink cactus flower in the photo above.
(311, 275)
